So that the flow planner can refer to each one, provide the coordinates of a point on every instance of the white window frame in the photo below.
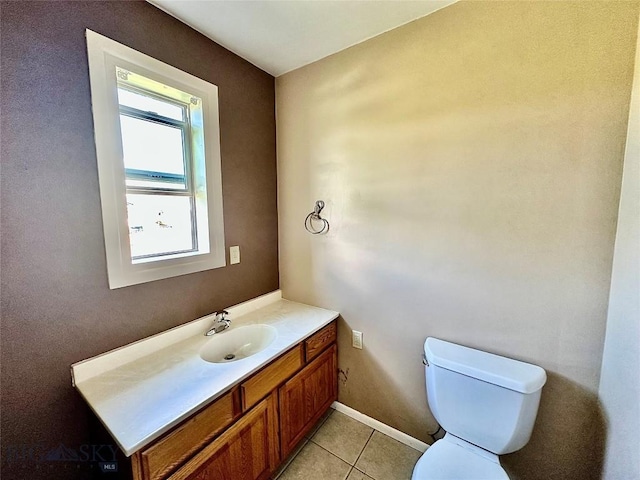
(104, 56)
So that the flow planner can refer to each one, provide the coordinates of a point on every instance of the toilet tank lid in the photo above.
(505, 372)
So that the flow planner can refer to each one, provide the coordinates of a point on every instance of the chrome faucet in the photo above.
(220, 324)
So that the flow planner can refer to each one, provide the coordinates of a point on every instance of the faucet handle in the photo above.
(222, 314)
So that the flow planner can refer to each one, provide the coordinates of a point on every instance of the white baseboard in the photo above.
(381, 427)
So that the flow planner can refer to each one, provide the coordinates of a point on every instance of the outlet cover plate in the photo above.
(356, 339)
(234, 255)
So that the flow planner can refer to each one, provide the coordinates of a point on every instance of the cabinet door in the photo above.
(305, 397)
(248, 450)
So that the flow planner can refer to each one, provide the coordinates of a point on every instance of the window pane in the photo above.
(159, 224)
(152, 147)
(149, 104)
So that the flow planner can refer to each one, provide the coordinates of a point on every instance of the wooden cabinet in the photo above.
(248, 450)
(244, 434)
(305, 397)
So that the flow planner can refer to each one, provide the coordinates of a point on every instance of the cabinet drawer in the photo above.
(262, 383)
(169, 452)
(317, 342)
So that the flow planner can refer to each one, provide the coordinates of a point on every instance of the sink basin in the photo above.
(238, 343)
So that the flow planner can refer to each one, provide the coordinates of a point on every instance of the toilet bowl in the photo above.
(446, 459)
(486, 403)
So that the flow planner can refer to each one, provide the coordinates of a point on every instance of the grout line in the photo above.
(304, 442)
(310, 439)
(352, 466)
(341, 459)
(363, 448)
(364, 473)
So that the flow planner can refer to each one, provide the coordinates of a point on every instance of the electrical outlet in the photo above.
(234, 255)
(356, 339)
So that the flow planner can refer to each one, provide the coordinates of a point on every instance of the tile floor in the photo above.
(340, 448)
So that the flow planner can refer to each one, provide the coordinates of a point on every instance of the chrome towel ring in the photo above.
(315, 217)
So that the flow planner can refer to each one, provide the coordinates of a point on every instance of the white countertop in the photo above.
(142, 398)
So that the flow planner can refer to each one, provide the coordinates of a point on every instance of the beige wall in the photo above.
(471, 163)
(620, 376)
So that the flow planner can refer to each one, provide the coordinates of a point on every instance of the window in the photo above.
(157, 143)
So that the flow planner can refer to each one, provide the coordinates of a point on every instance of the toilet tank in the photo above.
(485, 399)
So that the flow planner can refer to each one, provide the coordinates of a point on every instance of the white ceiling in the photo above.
(281, 35)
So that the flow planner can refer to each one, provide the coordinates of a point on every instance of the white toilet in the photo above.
(486, 403)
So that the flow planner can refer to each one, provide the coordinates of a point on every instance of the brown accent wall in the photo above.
(470, 162)
(56, 304)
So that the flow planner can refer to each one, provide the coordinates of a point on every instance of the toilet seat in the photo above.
(446, 460)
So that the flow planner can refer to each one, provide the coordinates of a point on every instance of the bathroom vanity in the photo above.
(181, 417)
